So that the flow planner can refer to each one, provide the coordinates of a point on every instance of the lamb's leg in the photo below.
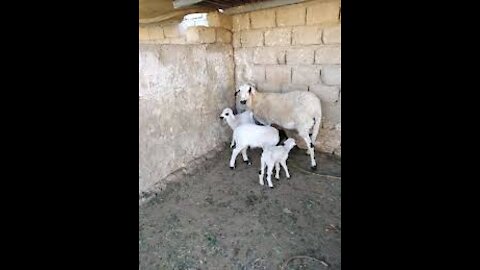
(269, 174)
(308, 141)
(245, 157)
(262, 168)
(284, 165)
(277, 170)
(232, 144)
(235, 153)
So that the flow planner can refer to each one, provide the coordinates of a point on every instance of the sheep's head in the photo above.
(289, 143)
(226, 114)
(245, 93)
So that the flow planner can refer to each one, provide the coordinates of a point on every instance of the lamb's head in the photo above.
(245, 93)
(227, 113)
(289, 143)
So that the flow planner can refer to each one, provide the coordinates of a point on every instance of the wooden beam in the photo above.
(177, 14)
(185, 3)
(261, 5)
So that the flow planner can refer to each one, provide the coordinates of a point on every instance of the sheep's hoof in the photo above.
(270, 187)
(248, 162)
(278, 178)
(232, 168)
(314, 168)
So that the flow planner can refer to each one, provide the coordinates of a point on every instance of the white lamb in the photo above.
(297, 110)
(234, 121)
(274, 156)
(253, 136)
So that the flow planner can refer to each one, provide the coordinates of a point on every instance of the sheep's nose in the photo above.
(243, 101)
(221, 117)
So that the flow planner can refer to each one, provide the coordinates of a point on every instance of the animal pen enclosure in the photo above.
(195, 212)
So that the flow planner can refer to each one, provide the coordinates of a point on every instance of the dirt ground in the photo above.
(223, 219)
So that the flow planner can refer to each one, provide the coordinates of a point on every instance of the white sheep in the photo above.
(253, 136)
(234, 121)
(274, 156)
(296, 110)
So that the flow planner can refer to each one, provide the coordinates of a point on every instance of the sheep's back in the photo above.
(288, 108)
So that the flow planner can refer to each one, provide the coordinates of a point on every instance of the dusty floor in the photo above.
(223, 219)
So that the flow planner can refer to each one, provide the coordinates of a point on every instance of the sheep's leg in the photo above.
(245, 157)
(262, 168)
(277, 170)
(308, 141)
(284, 165)
(269, 174)
(232, 144)
(235, 153)
(316, 127)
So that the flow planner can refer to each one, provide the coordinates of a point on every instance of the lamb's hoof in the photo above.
(232, 168)
(271, 187)
(314, 168)
(278, 178)
(248, 162)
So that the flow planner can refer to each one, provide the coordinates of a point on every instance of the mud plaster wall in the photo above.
(183, 88)
(294, 47)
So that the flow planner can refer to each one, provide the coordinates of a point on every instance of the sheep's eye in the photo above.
(226, 114)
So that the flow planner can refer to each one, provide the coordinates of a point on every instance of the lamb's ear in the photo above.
(236, 92)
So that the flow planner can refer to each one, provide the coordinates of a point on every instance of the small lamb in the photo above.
(236, 120)
(275, 155)
(253, 136)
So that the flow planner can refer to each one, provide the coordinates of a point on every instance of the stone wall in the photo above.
(186, 78)
(294, 47)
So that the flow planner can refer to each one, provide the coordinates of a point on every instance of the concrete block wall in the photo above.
(294, 47)
(186, 78)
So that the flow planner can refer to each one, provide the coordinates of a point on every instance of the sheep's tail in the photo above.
(316, 126)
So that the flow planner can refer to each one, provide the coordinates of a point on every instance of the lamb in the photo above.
(296, 110)
(275, 155)
(253, 136)
(236, 120)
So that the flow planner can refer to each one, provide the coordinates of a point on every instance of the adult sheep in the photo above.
(296, 110)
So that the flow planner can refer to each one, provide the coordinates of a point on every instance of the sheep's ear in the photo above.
(236, 92)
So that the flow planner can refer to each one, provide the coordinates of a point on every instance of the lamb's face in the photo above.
(227, 113)
(290, 143)
(245, 92)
